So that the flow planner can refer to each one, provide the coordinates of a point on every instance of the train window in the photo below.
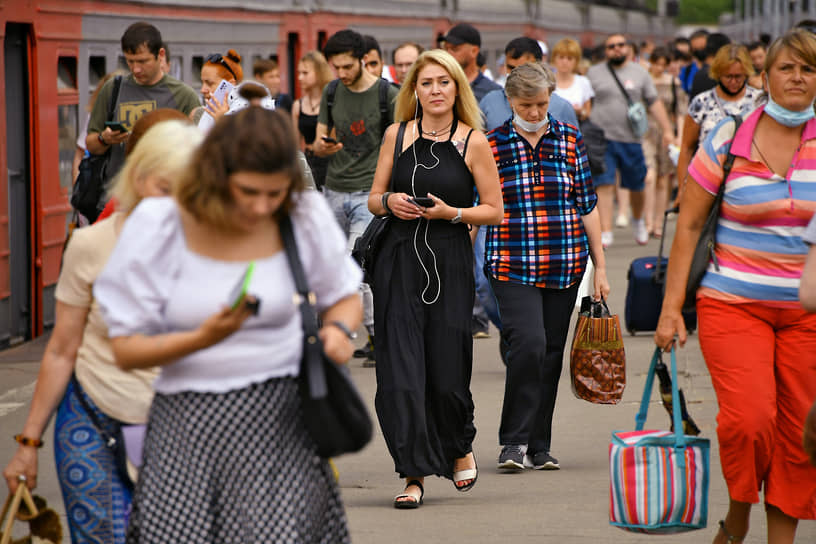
(176, 66)
(321, 39)
(67, 131)
(67, 73)
(198, 62)
(96, 70)
(123, 65)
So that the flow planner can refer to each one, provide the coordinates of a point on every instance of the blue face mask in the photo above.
(787, 117)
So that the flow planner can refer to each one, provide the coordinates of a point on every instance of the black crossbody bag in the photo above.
(333, 410)
(89, 187)
(368, 243)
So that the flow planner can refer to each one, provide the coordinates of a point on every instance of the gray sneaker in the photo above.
(512, 457)
(544, 461)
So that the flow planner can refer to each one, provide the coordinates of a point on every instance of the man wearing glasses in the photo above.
(145, 89)
(624, 153)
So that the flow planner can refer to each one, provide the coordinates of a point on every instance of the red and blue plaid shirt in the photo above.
(541, 241)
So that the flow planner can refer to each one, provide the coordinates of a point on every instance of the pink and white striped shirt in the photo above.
(759, 249)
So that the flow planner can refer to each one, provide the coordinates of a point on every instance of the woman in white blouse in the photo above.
(226, 454)
(569, 84)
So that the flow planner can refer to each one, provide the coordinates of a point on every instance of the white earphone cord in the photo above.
(417, 164)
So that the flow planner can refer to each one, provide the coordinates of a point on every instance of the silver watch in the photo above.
(458, 218)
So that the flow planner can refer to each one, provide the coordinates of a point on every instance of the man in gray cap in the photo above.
(463, 43)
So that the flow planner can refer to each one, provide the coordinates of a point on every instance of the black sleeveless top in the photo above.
(307, 125)
(444, 174)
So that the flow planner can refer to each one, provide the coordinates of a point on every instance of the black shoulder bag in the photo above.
(369, 242)
(89, 187)
(333, 410)
(704, 251)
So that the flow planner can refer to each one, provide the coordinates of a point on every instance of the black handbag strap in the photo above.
(110, 440)
(620, 85)
(114, 97)
(397, 153)
(306, 300)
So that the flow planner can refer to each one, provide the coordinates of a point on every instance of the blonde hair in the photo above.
(528, 80)
(320, 65)
(728, 55)
(165, 149)
(567, 48)
(466, 108)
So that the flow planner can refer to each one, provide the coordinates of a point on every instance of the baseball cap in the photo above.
(463, 33)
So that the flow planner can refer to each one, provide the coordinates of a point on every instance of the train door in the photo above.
(17, 309)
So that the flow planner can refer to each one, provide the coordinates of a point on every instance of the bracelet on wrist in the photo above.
(385, 201)
(343, 327)
(26, 441)
(101, 139)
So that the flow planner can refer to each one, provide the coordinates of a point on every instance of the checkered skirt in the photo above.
(235, 467)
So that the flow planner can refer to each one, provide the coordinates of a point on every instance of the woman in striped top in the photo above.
(758, 342)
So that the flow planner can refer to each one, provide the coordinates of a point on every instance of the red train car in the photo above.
(55, 52)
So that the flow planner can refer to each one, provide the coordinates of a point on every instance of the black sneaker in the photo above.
(544, 461)
(512, 457)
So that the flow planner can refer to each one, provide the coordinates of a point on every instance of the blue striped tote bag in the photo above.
(658, 479)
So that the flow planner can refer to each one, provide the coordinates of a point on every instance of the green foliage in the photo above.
(702, 11)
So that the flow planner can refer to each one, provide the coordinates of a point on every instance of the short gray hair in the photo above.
(527, 80)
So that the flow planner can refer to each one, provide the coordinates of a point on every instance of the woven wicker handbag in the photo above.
(44, 523)
(597, 359)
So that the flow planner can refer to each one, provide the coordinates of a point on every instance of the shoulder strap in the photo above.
(397, 152)
(729, 161)
(384, 119)
(114, 97)
(330, 94)
(110, 440)
(620, 86)
(312, 346)
(467, 141)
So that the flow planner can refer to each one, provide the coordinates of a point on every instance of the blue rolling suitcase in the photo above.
(644, 292)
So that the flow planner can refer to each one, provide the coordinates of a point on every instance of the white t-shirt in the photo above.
(154, 284)
(578, 93)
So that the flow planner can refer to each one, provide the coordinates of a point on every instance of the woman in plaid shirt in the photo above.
(536, 257)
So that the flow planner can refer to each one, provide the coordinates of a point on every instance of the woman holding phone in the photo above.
(423, 276)
(226, 444)
(78, 372)
(218, 67)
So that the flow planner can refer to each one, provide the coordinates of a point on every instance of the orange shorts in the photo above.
(762, 362)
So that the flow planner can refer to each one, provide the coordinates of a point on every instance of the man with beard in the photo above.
(624, 153)
(350, 131)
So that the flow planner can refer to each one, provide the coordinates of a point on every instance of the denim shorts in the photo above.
(627, 158)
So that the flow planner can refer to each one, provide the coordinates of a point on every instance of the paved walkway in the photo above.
(567, 506)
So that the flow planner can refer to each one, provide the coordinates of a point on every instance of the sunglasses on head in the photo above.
(216, 58)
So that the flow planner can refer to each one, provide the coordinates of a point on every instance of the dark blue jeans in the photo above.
(535, 326)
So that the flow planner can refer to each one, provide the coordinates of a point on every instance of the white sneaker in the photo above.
(607, 238)
(640, 231)
(622, 221)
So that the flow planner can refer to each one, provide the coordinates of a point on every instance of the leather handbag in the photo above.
(44, 523)
(333, 410)
(636, 112)
(706, 244)
(87, 194)
(368, 243)
(597, 358)
(658, 480)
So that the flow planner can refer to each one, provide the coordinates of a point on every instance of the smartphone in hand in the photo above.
(422, 201)
(238, 295)
(116, 126)
(328, 140)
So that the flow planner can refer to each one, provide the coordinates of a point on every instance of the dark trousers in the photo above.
(535, 324)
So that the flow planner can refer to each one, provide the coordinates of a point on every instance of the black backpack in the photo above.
(89, 187)
(385, 120)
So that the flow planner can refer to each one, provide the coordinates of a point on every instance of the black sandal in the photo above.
(731, 538)
(412, 501)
